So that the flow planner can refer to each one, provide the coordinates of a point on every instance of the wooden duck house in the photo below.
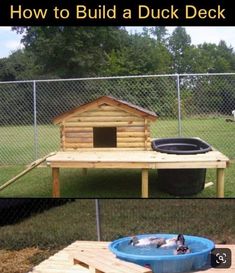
(106, 123)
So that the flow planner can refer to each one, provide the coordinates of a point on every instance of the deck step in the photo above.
(103, 261)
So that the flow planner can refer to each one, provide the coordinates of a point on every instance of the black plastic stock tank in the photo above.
(181, 182)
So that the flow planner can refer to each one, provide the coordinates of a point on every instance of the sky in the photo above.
(10, 41)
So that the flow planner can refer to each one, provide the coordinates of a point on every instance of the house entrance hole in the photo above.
(104, 137)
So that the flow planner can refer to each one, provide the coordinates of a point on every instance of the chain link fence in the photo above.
(187, 105)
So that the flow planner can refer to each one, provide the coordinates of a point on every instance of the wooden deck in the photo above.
(136, 159)
(94, 257)
(143, 160)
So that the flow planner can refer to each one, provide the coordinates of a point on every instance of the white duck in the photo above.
(174, 242)
(158, 242)
(148, 241)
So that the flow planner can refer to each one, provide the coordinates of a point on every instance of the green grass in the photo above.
(60, 226)
(16, 149)
(17, 143)
(99, 184)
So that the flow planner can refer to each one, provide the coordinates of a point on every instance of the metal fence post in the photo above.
(35, 121)
(97, 214)
(179, 106)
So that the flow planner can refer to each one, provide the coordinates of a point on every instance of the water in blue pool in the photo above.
(154, 251)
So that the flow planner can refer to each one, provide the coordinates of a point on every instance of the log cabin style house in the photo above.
(106, 123)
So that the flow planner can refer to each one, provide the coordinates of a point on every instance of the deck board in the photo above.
(144, 160)
(63, 261)
(136, 159)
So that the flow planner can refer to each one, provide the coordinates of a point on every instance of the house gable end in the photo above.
(109, 102)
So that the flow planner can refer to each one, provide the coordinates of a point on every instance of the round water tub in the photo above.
(181, 182)
(163, 260)
(180, 146)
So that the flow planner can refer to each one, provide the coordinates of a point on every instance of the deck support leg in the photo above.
(144, 183)
(84, 171)
(56, 182)
(220, 183)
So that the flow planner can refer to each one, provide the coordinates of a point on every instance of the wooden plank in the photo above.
(144, 191)
(220, 183)
(130, 129)
(68, 129)
(112, 155)
(104, 262)
(79, 140)
(102, 165)
(88, 245)
(104, 124)
(135, 158)
(103, 119)
(90, 261)
(28, 169)
(190, 164)
(130, 108)
(91, 149)
(103, 149)
(60, 269)
(110, 259)
(78, 135)
(126, 165)
(106, 107)
(112, 113)
(76, 111)
(130, 139)
(131, 134)
(78, 145)
(130, 144)
(56, 182)
(208, 184)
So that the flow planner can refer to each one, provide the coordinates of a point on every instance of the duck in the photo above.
(174, 242)
(148, 241)
(159, 242)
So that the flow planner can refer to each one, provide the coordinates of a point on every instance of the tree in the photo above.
(141, 56)
(179, 45)
(20, 65)
(72, 51)
(212, 58)
(160, 33)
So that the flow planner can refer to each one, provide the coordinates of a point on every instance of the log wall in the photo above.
(133, 132)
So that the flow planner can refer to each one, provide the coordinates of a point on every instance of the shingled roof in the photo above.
(126, 106)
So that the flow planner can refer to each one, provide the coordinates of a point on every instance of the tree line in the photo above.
(67, 52)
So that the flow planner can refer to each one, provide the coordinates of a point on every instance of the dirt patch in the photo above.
(21, 261)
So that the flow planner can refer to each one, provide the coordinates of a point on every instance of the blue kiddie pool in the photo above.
(164, 260)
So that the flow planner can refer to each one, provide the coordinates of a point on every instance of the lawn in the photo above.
(121, 217)
(17, 149)
(99, 184)
(46, 232)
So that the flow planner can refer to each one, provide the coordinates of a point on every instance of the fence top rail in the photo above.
(119, 77)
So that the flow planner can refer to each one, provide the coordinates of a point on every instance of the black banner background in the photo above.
(212, 8)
